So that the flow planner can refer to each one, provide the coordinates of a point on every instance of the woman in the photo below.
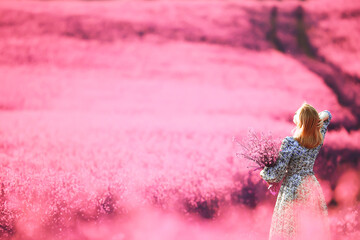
(300, 210)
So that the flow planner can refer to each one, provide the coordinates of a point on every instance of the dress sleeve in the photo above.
(326, 123)
(277, 172)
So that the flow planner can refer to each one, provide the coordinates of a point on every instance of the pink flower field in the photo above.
(117, 118)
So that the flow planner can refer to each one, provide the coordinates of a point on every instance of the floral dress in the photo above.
(300, 211)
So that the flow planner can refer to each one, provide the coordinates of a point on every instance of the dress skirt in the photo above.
(300, 211)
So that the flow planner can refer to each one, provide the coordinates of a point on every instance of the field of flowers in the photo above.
(117, 118)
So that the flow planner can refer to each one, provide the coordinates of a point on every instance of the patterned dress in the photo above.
(300, 211)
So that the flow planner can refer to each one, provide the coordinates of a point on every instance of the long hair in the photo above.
(307, 132)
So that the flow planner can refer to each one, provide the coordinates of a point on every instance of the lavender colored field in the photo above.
(117, 117)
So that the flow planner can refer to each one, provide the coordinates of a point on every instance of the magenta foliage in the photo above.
(105, 115)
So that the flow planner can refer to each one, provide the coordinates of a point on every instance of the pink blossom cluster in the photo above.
(259, 148)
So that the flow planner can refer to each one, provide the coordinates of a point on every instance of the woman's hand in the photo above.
(320, 123)
(323, 116)
(261, 173)
(273, 187)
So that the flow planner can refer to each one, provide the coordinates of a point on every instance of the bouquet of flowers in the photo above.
(261, 149)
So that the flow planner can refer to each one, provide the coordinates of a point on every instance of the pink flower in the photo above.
(259, 148)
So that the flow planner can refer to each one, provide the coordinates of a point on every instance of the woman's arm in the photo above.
(278, 171)
(325, 116)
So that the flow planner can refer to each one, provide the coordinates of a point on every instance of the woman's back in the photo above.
(303, 159)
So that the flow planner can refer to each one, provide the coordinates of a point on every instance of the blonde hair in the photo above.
(307, 132)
